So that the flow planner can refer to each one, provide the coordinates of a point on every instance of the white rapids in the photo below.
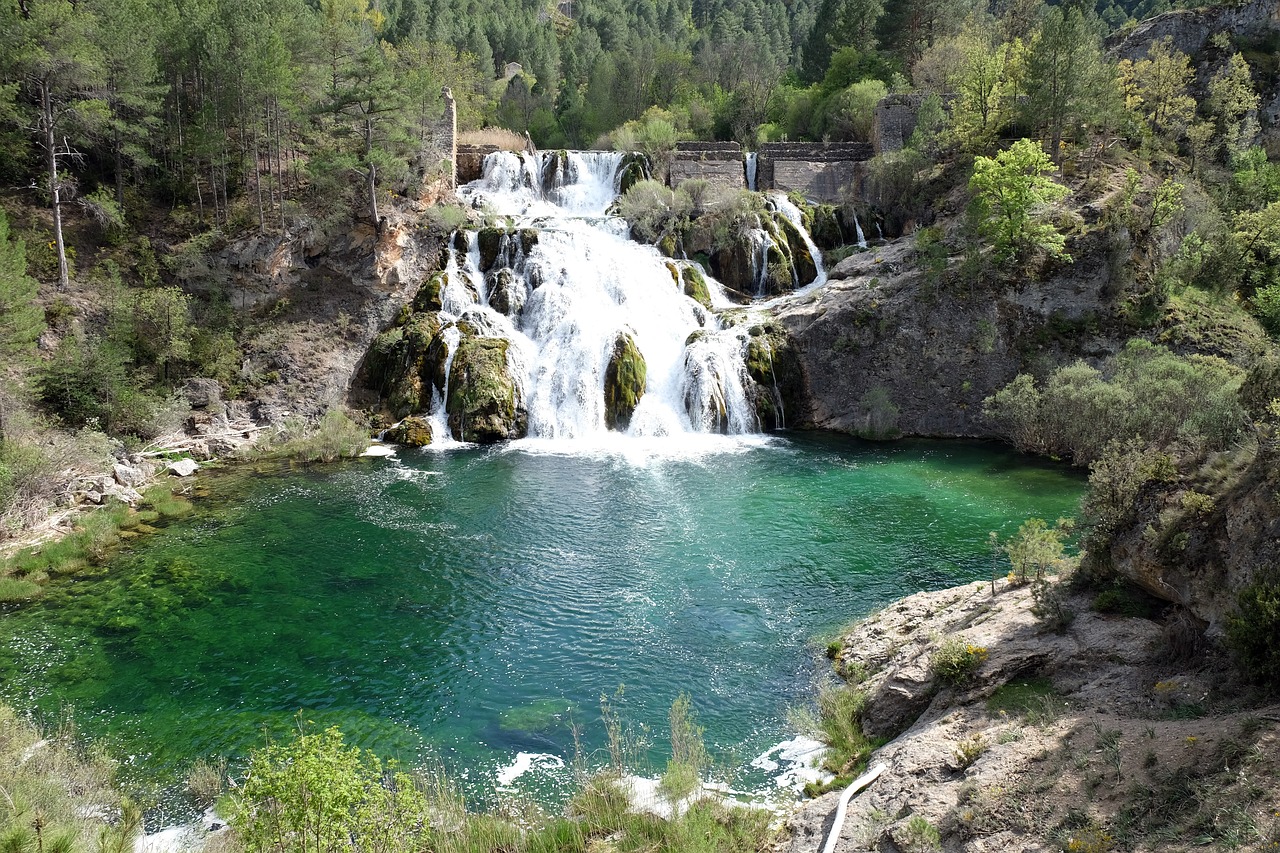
(577, 288)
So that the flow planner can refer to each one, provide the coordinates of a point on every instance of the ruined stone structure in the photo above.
(469, 161)
(449, 134)
(817, 170)
(894, 121)
(718, 163)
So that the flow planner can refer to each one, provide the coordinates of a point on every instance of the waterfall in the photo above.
(753, 163)
(784, 206)
(565, 300)
(857, 227)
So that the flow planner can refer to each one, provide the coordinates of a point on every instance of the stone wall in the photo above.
(894, 121)
(818, 171)
(469, 161)
(717, 163)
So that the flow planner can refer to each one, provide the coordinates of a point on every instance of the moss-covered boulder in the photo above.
(483, 406)
(429, 296)
(828, 228)
(507, 293)
(414, 432)
(694, 285)
(774, 367)
(735, 266)
(399, 364)
(802, 263)
(490, 241)
(634, 168)
(624, 382)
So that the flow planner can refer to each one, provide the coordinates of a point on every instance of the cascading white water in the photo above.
(753, 164)
(580, 286)
(857, 227)
(784, 206)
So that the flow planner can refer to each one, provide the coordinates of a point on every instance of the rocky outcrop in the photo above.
(1055, 737)
(888, 349)
(1190, 29)
(624, 382)
(1197, 549)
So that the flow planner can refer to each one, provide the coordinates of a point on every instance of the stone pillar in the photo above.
(451, 131)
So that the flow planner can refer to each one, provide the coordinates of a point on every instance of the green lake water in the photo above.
(470, 605)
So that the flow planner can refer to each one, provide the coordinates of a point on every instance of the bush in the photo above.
(955, 661)
(1145, 391)
(1253, 633)
(336, 436)
(653, 210)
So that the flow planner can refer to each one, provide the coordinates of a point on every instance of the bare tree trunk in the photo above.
(55, 191)
(371, 177)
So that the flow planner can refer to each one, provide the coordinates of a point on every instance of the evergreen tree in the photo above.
(50, 52)
(20, 319)
(1067, 79)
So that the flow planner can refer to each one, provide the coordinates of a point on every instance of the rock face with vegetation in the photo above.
(1010, 731)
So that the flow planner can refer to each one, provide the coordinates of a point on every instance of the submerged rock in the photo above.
(624, 383)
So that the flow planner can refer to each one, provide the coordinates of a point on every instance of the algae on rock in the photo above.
(624, 382)
(483, 405)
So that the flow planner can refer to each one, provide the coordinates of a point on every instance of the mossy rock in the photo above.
(624, 382)
(801, 258)
(674, 269)
(694, 285)
(669, 245)
(528, 239)
(507, 293)
(490, 240)
(414, 432)
(775, 368)
(635, 168)
(429, 296)
(827, 227)
(482, 403)
(733, 265)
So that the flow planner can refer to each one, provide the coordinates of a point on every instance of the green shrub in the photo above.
(334, 437)
(1146, 391)
(840, 728)
(1253, 633)
(955, 661)
(920, 836)
(653, 210)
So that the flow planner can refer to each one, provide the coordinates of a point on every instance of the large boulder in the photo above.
(774, 366)
(624, 382)
(483, 405)
(412, 431)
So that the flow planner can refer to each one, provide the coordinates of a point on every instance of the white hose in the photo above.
(858, 784)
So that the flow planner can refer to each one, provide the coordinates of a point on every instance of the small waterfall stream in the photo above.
(580, 289)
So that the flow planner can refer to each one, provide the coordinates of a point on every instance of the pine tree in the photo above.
(50, 49)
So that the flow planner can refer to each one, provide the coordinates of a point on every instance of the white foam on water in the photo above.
(526, 762)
